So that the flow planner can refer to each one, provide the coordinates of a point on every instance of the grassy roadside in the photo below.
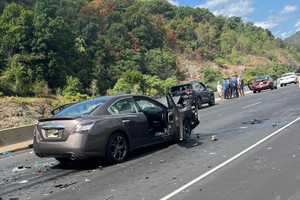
(20, 111)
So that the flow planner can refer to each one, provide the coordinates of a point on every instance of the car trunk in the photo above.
(56, 129)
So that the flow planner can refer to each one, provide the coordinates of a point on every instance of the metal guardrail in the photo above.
(16, 135)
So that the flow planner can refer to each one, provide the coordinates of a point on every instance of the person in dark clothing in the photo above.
(235, 92)
(241, 85)
(226, 88)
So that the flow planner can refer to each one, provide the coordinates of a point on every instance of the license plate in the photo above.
(53, 133)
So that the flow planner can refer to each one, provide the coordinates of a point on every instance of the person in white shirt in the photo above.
(220, 90)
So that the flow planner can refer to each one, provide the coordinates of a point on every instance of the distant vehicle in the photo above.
(288, 78)
(197, 92)
(110, 127)
(263, 83)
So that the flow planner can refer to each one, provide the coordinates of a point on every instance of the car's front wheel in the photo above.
(212, 101)
(187, 129)
(117, 148)
(66, 162)
(199, 103)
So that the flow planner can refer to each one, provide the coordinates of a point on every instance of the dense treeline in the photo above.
(93, 47)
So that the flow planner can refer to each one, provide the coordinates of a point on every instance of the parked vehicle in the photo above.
(263, 83)
(196, 91)
(110, 127)
(288, 78)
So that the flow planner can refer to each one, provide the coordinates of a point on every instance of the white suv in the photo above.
(288, 78)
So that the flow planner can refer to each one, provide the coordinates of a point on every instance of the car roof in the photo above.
(290, 73)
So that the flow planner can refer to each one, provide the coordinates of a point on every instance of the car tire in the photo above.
(254, 91)
(187, 129)
(199, 103)
(66, 162)
(212, 101)
(259, 91)
(117, 148)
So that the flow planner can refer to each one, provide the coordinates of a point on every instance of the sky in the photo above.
(282, 17)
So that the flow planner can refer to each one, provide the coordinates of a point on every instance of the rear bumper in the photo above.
(74, 147)
(261, 87)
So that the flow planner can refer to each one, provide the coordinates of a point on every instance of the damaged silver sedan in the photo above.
(111, 127)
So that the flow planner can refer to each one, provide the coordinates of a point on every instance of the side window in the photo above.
(125, 106)
(196, 86)
(201, 86)
(145, 104)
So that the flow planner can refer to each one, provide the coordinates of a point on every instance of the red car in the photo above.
(263, 83)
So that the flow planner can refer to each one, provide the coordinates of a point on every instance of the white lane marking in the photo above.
(251, 105)
(199, 178)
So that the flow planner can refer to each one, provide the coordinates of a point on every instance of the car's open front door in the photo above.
(175, 120)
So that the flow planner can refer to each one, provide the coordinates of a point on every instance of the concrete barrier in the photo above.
(12, 136)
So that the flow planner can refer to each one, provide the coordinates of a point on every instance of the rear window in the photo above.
(82, 108)
(178, 90)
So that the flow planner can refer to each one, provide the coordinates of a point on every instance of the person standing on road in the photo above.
(220, 90)
(226, 88)
(241, 86)
(234, 82)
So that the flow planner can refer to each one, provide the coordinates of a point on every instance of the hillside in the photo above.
(94, 47)
(294, 40)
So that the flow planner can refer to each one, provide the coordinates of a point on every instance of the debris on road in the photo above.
(23, 182)
(214, 138)
(63, 186)
(162, 161)
(255, 121)
(20, 168)
(212, 153)
(87, 180)
(13, 198)
(109, 198)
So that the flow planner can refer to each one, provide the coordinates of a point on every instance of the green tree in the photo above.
(73, 86)
(160, 62)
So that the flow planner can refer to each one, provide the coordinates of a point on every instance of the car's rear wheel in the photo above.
(254, 91)
(117, 148)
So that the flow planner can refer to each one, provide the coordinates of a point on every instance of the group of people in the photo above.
(232, 87)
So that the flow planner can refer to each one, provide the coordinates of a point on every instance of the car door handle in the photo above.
(125, 121)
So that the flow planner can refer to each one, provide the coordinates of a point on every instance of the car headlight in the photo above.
(85, 127)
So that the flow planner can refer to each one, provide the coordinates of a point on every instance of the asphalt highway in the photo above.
(256, 156)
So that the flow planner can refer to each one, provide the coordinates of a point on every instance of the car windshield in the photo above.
(82, 108)
(259, 78)
(178, 90)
